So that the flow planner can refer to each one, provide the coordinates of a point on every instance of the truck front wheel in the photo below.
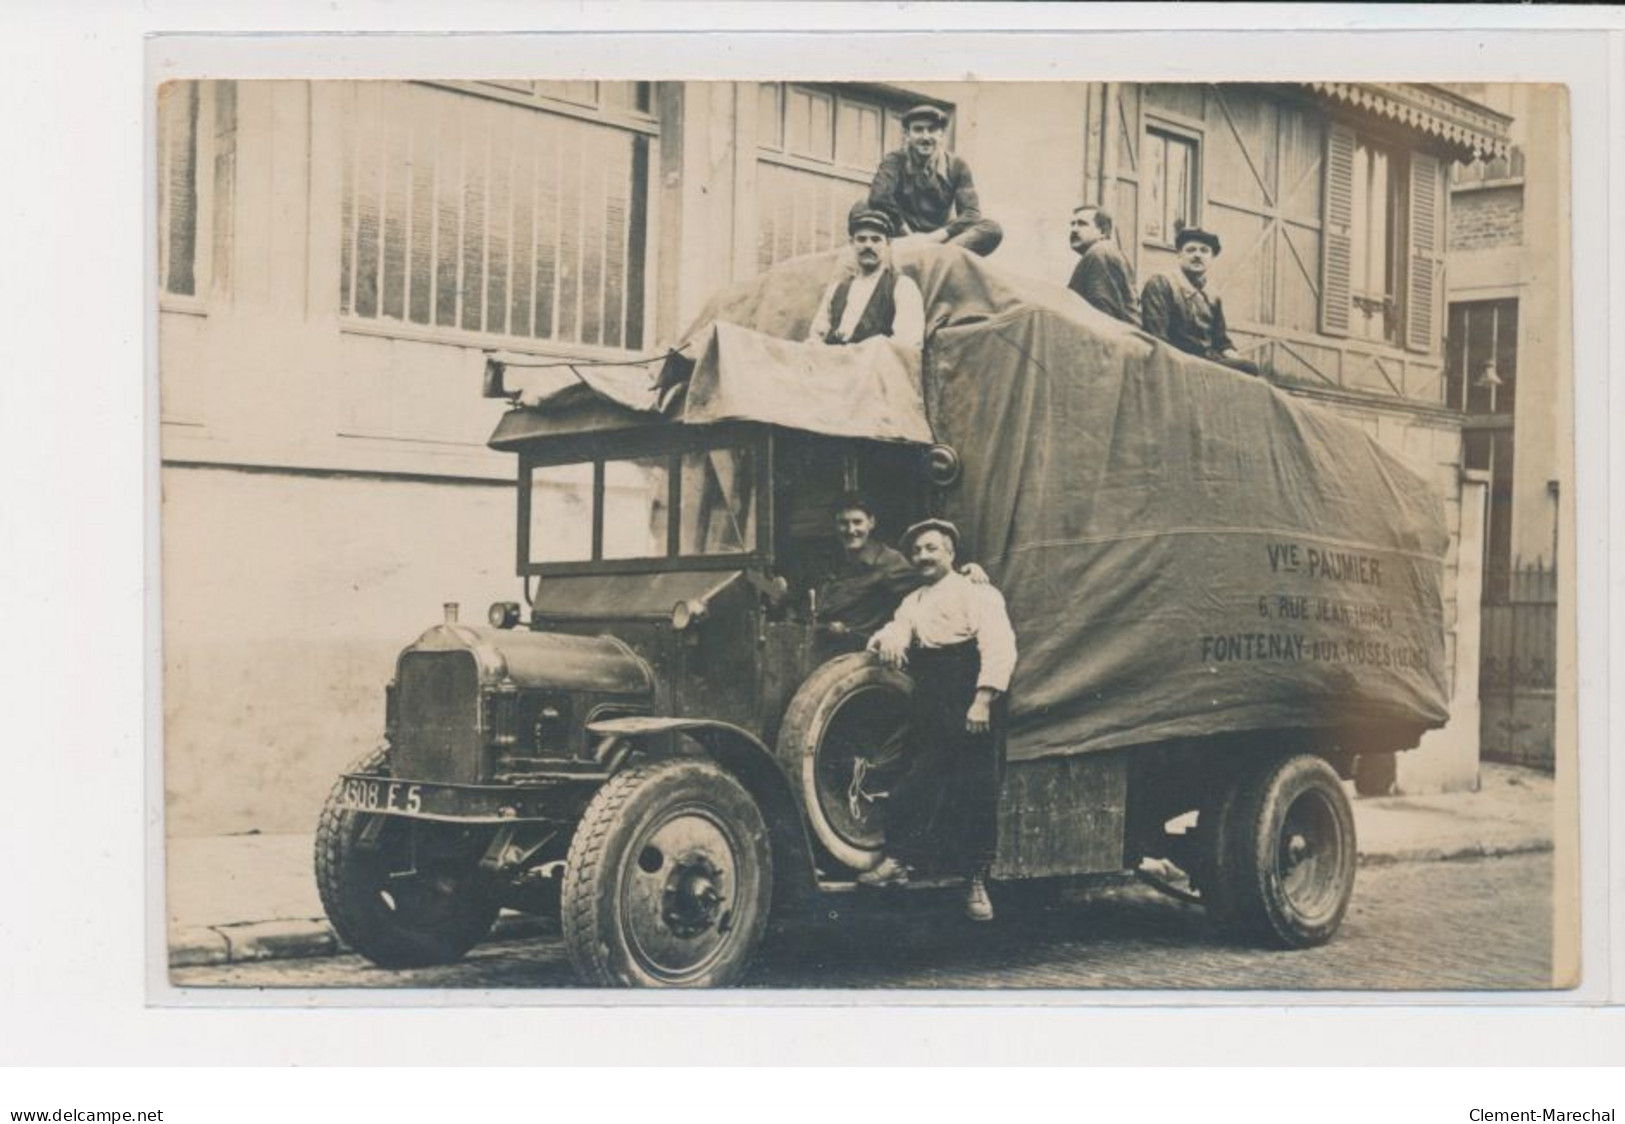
(403, 893)
(1281, 854)
(669, 879)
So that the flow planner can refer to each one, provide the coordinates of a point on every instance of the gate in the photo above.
(1517, 676)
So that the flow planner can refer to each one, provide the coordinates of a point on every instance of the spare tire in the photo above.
(851, 708)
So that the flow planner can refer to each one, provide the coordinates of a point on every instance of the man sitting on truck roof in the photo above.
(877, 300)
(928, 193)
(955, 639)
(1103, 276)
(1177, 307)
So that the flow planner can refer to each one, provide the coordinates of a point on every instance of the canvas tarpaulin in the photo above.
(1185, 550)
(871, 389)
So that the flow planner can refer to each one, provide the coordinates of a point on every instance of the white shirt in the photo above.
(908, 321)
(952, 611)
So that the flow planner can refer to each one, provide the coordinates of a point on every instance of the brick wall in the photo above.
(1486, 218)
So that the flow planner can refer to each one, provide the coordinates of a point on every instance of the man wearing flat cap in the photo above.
(954, 638)
(877, 300)
(928, 192)
(1177, 306)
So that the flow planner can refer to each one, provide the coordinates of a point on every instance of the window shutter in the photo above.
(1422, 256)
(1337, 229)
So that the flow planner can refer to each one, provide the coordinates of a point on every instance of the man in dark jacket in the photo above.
(877, 300)
(1103, 276)
(928, 192)
(1178, 308)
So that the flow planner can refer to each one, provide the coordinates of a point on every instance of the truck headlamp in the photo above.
(503, 614)
(686, 614)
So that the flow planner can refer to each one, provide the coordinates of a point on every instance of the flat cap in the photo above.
(926, 113)
(864, 217)
(1197, 234)
(924, 525)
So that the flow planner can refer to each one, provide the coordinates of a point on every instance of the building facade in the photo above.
(1508, 356)
(334, 257)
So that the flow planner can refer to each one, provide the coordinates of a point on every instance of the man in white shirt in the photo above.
(877, 300)
(955, 639)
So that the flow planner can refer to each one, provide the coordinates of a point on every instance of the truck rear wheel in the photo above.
(1280, 853)
(849, 709)
(669, 879)
(404, 893)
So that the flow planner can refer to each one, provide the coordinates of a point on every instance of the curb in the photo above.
(1531, 846)
(295, 939)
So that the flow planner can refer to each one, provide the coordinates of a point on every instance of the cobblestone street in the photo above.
(1473, 924)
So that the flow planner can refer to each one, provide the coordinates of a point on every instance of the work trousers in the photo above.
(981, 237)
(942, 813)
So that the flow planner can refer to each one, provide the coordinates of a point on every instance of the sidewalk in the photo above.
(253, 897)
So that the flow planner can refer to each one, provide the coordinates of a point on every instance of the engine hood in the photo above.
(598, 664)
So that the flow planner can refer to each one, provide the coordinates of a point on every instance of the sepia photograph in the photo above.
(800, 536)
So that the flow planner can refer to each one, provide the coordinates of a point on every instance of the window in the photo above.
(1376, 274)
(197, 154)
(177, 188)
(1481, 357)
(1173, 187)
(718, 515)
(521, 214)
(561, 513)
(818, 149)
(1380, 242)
(637, 507)
(619, 509)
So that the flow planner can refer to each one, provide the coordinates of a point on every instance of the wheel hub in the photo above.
(1297, 849)
(692, 899)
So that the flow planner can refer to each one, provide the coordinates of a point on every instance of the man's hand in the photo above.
(892, 650)
(980, 715)
(974, 573)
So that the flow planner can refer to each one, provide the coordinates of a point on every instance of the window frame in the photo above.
(1394, 305)
(1502, 312)
(670, 443)
(891, 104)
(1187, 133)
(644, 124)
(204, 188)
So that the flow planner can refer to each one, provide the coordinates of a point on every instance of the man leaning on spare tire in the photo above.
(954, 638)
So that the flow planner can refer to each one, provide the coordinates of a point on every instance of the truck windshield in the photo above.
(699, 502)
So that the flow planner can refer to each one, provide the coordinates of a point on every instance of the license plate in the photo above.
(368, 794)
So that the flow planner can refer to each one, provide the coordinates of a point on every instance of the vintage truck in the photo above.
(1227, 601)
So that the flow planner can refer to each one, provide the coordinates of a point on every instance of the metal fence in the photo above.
(1517, 677)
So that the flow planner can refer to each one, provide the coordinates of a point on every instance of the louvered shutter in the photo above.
(1336, 233)
(1422, 255)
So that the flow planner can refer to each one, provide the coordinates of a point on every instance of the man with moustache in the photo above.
(1103, 276)
(955, 640)
(861, 589)
(928, 192)
(1178, 308)
(877, 300)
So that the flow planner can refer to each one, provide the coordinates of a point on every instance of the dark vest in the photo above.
(876, 319)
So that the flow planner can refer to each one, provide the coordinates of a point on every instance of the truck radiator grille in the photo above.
(437, 729)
